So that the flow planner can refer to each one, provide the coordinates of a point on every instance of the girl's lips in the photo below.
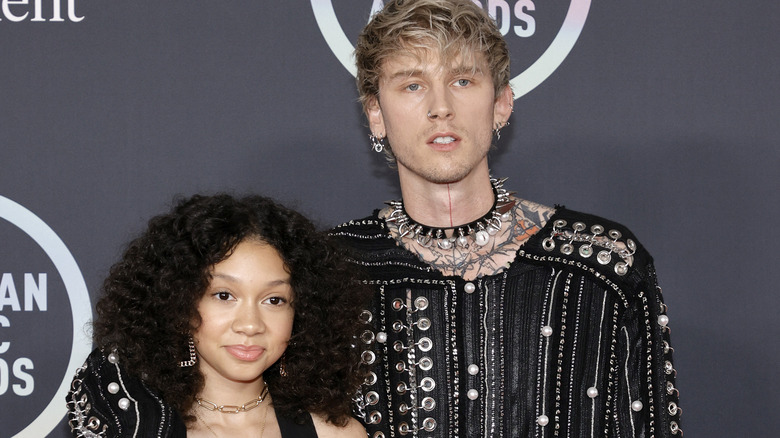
(245, 352)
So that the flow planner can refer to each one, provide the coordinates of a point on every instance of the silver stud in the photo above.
(604, 257)
(578, 226)
(567, 248)
(425, 363)
(429, 424)
(548, 244)
(427, 384)
(631, 245)
(481, 237)
(421, 303)
(469, 287)
(597, 229)
(560, 223)
(368, 357)
(124, 404)
(621, 268)
(113, 387)
(372, 398)
(428, 404)
(425, 344)
(367, 337)
(424, 324)
(374, 417)
(586, 251)
(615, 234)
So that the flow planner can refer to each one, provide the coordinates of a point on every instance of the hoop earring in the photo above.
(376, 143)
(497, 131)
(193, 357)
(283, 366)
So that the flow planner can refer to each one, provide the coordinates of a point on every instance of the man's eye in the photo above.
(413, 87)
(463, 82)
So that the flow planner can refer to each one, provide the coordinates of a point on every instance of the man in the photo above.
(494, 316)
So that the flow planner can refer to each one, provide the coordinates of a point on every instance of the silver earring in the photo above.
(376, 143)
(430, 116)
(193, 357)
(497, 131)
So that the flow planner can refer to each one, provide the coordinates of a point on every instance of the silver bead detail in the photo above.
(637, 406)
(124, 404)
(472, 394)
(593, 392)
(542, 420)
(663, 320)
(113, 387)
(547, 331)
(473, 369)
(481, 237)
(469, 287)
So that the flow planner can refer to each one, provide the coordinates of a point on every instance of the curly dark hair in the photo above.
(151, 296)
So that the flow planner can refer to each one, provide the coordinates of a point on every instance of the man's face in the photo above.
(459, 95)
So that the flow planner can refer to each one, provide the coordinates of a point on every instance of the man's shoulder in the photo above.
(367, 227)
(602, 246)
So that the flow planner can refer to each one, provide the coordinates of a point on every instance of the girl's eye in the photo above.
(276, 301)
(223, 296)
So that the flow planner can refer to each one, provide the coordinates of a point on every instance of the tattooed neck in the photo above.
(476, 261)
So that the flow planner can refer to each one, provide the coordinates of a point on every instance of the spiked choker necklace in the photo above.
(480, 231)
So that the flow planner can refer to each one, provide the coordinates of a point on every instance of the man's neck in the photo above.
(446, 205)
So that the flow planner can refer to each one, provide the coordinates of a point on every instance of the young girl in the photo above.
(226, 318)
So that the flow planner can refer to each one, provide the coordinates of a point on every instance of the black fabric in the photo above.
(443, 343)
(94, 410)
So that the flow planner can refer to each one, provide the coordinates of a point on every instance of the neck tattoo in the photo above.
(480, 231)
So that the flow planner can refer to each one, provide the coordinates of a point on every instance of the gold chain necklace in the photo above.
(233, 409)
(259, 400)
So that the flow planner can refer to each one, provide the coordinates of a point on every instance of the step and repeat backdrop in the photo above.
(662, 115)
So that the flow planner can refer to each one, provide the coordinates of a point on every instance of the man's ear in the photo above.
(502, 108)
(376, 121)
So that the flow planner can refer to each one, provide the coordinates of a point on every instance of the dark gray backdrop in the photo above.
(663, 117)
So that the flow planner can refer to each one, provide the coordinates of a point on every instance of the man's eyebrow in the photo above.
(466, 69)
(406, 73)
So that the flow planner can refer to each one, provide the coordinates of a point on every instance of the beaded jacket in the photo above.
(570, 340)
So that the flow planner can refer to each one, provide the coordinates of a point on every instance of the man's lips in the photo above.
(245, 352)
(443, 141)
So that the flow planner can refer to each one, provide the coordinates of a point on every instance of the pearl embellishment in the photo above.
(547, 331)
(473, 369)
(469, 288)
(542, 420)
(113, 387)
(593, 392)
(637, 406)
(124, 403)
(113, 358)
(472, 394)
(663, 320)
(381, 337)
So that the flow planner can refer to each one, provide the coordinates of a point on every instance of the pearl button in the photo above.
(469, 288)
(113, 358)
(547, 331)
(472, 394)
(593, 392)
(124, 404)
(113, 387)
(381, 337)
(473, 369)
(663, 320)
(637, 406)
(542, 420)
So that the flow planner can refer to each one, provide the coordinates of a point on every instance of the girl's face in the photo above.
(246, 315)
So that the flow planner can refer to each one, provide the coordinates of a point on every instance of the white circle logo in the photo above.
(51, 416)
(522, 11)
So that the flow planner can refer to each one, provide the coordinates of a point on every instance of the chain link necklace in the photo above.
(233, 409)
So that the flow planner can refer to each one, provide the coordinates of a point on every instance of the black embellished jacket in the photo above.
(571, 340)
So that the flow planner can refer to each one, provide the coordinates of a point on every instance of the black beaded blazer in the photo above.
(570, 340)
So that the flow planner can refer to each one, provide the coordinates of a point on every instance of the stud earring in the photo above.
(376, 142)
(193, 357)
